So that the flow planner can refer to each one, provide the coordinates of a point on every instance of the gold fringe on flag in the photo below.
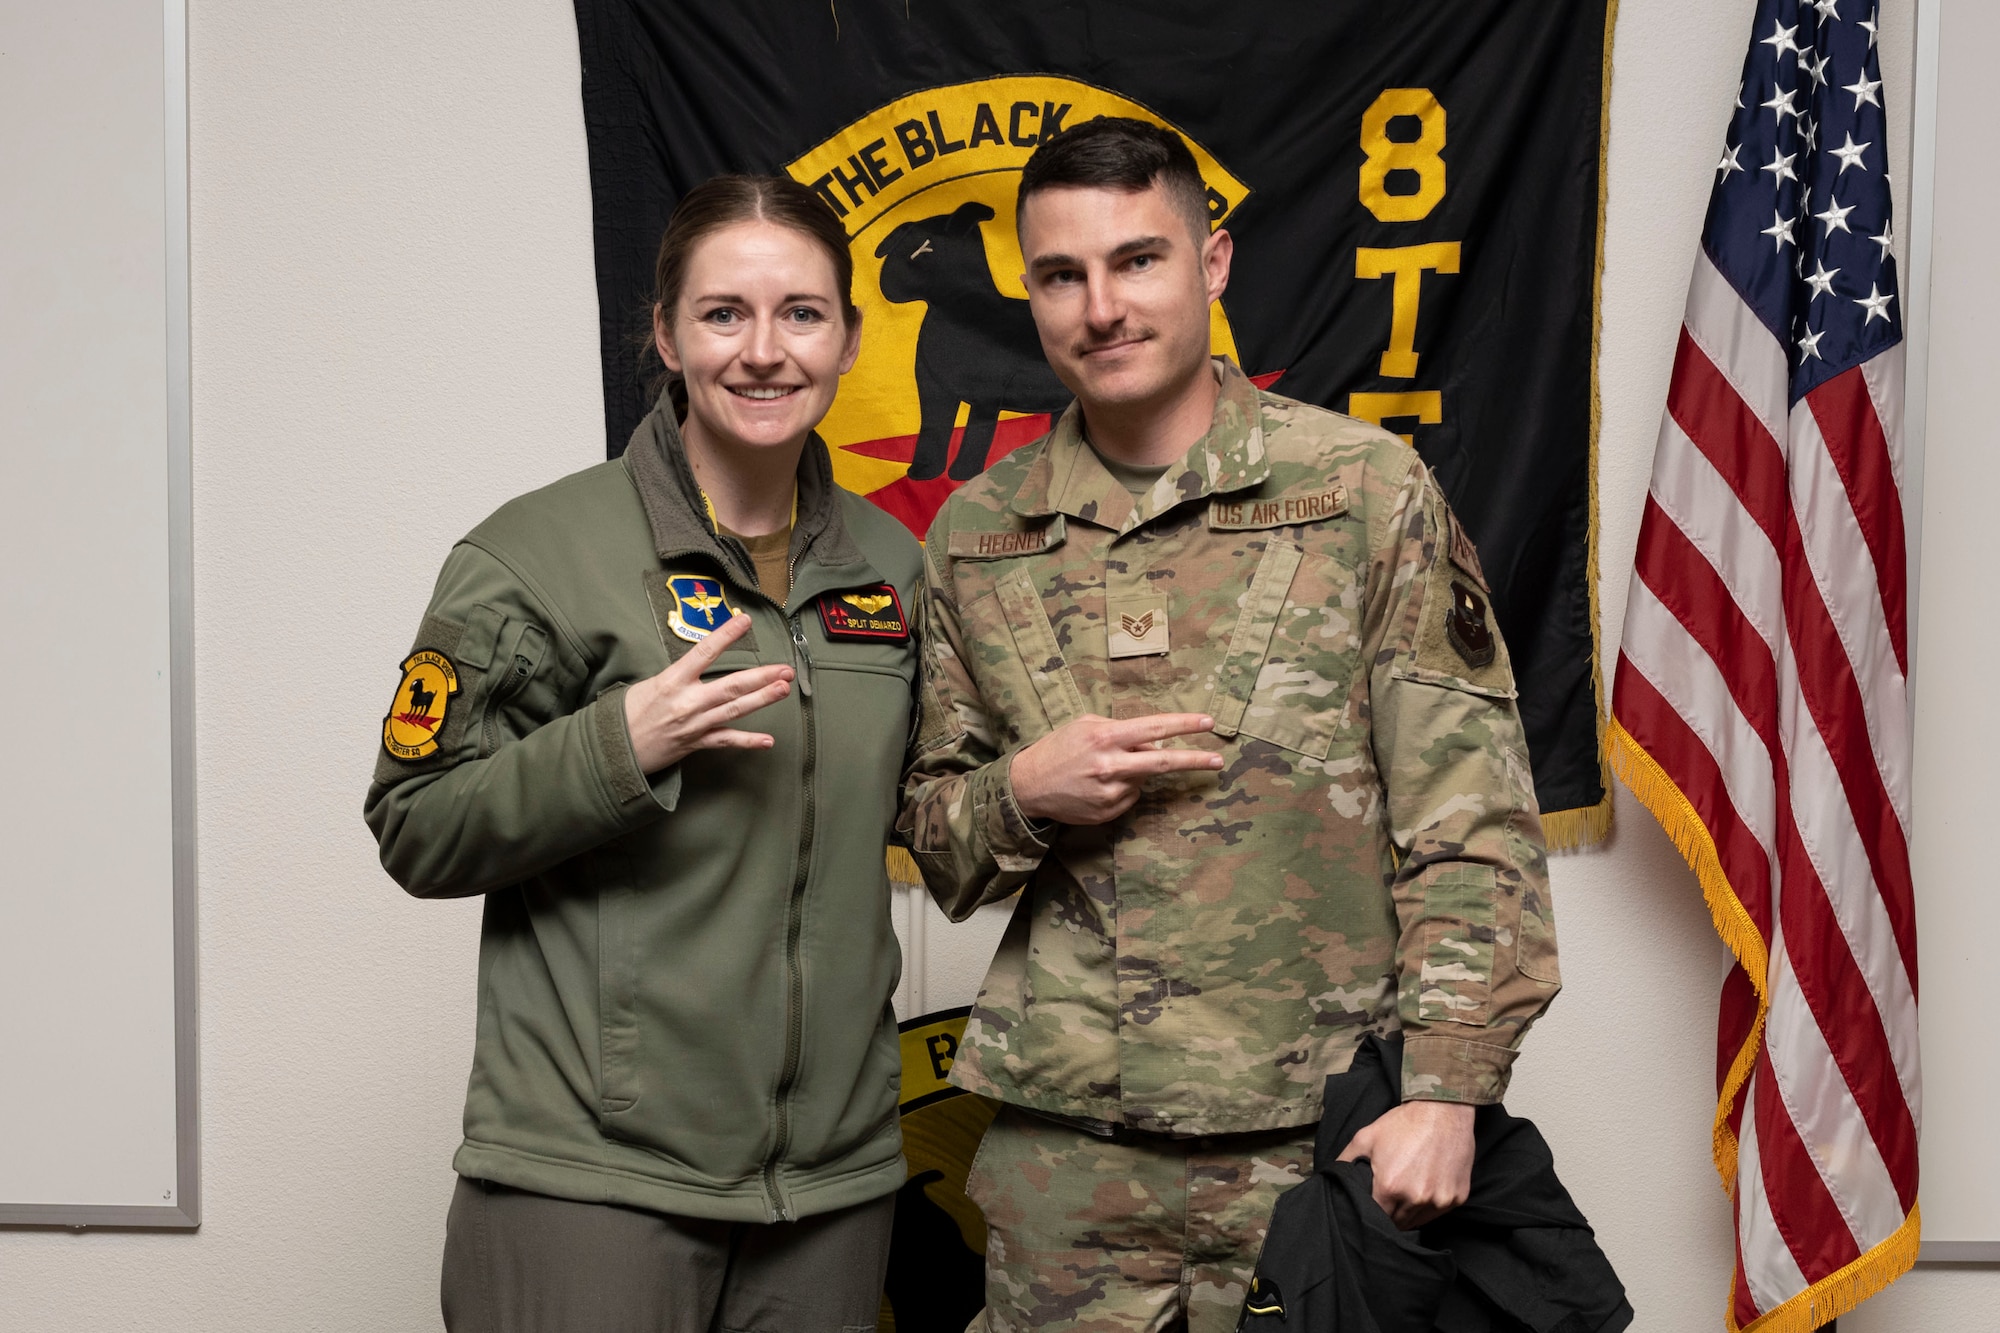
(1668, 804)
(1837, 1293)
(902, 869)
(1587, 824)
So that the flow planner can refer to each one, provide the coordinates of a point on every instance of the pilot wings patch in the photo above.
(864, 613)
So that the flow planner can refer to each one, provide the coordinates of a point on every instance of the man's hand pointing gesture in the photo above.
(1091, 770)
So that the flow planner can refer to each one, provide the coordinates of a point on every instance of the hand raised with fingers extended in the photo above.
(675, 713)
(1091, 770)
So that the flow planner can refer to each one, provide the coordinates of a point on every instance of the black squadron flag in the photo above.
(1416, 196)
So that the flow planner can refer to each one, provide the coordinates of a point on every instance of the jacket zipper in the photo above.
(794, 927)
(501, 693)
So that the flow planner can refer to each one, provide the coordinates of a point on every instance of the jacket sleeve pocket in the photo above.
(1455, 933)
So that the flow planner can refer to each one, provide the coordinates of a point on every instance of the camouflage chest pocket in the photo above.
(1289, 669)
(1018, 657)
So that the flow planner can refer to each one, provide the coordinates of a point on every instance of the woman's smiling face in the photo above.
(758, 336)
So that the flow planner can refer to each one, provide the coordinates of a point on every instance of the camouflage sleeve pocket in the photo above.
(1455, 943)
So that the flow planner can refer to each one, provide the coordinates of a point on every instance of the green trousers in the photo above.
(516, 1262)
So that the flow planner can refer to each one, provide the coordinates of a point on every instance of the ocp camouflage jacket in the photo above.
(1368, 858)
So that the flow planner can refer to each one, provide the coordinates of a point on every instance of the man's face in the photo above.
(1120, 289)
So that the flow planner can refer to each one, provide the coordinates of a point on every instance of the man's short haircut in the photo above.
(1119, 153)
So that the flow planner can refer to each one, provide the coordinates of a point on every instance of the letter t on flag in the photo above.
(1760, 706)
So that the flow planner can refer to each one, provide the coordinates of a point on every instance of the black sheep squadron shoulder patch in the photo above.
(873, 613)
(416, 714)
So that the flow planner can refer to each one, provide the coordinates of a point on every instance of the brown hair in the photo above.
(724, 201)
(1120, 153)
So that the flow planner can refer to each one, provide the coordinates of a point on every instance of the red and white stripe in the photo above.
(1761, 709)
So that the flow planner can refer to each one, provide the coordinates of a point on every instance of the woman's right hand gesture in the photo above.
(673, 714)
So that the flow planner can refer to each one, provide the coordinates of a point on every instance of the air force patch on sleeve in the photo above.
(417, 713)
(864, 613)
(699, 609)
(1465, 625)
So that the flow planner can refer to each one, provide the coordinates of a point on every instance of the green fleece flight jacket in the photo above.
(684, 977)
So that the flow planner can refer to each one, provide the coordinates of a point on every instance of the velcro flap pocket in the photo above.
(1244, 661)
(482, 635)
(1458, 937)
(1292, 670)
(1458, 638)
(1035, 642)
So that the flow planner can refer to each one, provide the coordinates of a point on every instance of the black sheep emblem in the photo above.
(977, 345)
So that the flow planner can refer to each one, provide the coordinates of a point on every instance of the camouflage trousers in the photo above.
(1093, 1235)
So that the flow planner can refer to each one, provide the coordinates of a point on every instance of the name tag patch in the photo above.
(1138, 626)
(1278, 511)
(1464, 554)
(865, 613)
(994, 545)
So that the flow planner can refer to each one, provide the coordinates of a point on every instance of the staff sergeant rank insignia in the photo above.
(699, 606)
(867, 613)
(417, 712)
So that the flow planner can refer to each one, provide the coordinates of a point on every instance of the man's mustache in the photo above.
(1122, 336)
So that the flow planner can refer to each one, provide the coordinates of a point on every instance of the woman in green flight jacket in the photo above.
(656, 713)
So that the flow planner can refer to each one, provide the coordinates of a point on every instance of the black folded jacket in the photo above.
(1516, 1257)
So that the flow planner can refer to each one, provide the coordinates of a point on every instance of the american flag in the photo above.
(1760, 705)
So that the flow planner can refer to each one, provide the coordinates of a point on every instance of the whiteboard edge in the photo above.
(184, 1213)
(79, 1217)
(1959, 1252)
(180, 638)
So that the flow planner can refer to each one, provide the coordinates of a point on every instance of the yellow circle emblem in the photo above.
(416, 715)
(951, 375)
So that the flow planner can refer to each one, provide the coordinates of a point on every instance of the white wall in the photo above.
(394, 330)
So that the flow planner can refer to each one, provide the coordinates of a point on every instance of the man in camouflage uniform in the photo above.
(1211, 681)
